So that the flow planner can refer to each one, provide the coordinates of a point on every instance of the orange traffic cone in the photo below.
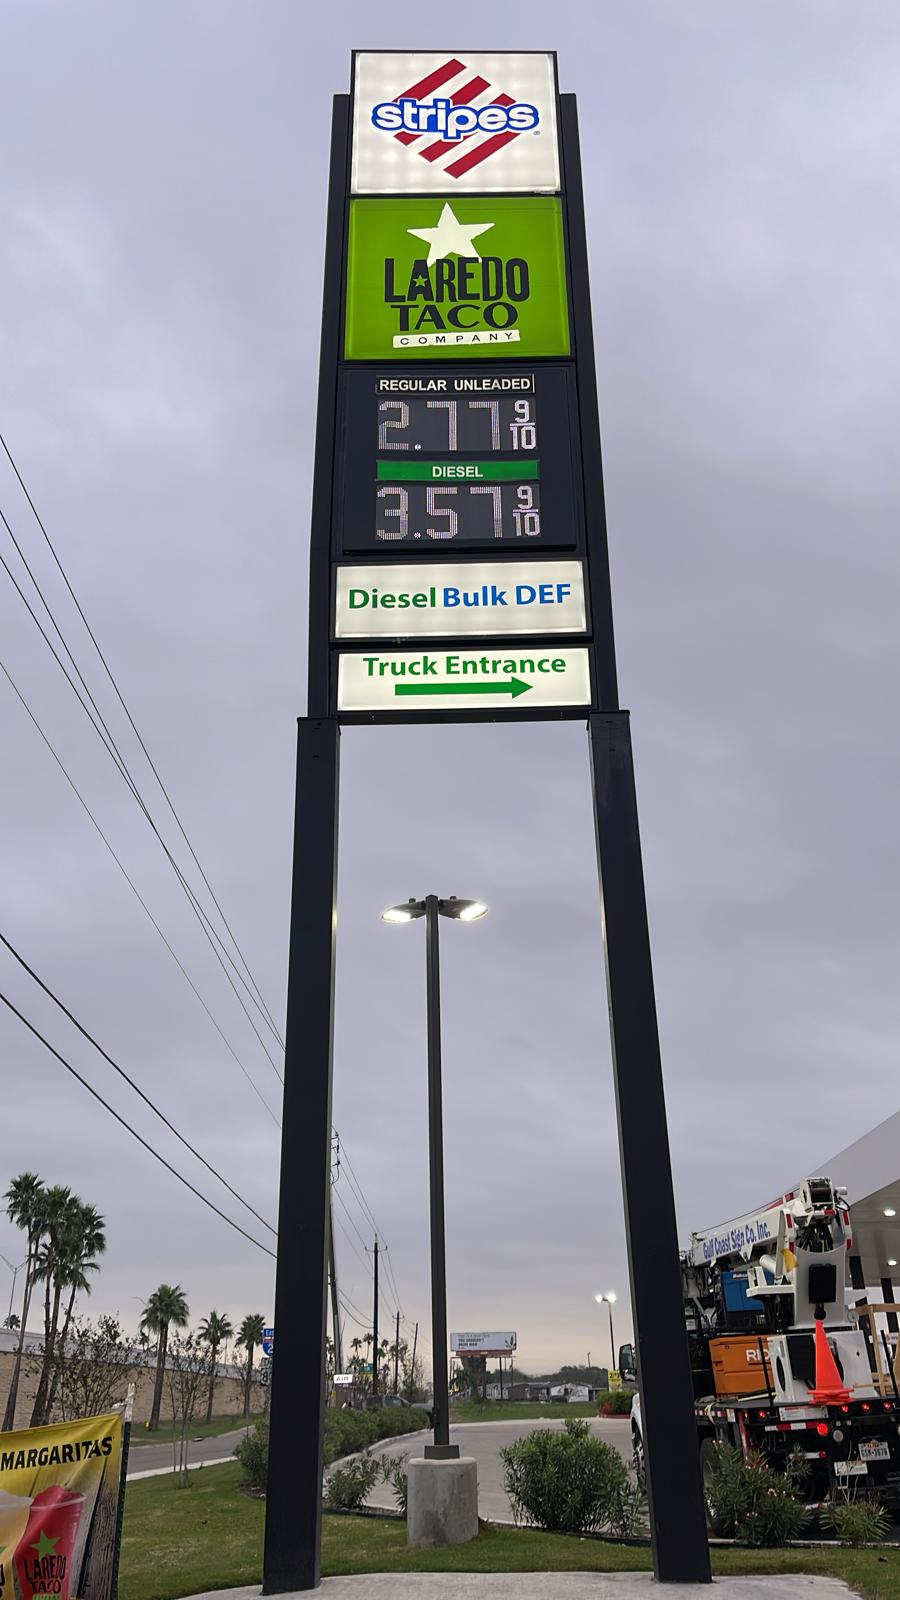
(829, 1389)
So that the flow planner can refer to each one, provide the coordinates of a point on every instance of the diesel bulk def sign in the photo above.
(459, 573)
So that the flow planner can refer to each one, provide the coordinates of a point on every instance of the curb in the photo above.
(164, 1472)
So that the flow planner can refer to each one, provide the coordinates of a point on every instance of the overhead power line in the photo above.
(131, 1083)
(133, 1131)
(151, 763)
(107, 739)
(135, 890)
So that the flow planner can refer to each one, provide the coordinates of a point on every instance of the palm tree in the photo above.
(167, 1304)
(24, 1203)
(58, 1220)
(83, 1239)
(250, 1335)
(215, 1330)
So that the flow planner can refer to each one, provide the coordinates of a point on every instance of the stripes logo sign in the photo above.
(429, 123)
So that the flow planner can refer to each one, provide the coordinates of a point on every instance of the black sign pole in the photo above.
(674, 1491)
(669, 1428)
(293, 1536)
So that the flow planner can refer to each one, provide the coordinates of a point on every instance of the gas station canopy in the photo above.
(870, 1172)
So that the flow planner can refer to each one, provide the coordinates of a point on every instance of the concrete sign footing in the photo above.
(442, 1501)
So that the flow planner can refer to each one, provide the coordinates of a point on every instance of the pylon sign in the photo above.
(458, 412)
(459, 573)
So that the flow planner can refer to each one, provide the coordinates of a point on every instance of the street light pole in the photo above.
(431, 908)
(607, 1300)
(12, 1293)
(441, 1449)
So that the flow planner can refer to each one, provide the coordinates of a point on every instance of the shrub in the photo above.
(856, 1521)
(570, 1482)
(346, 1432)
(615, 1402)
(393, 1471)
(347, 1487)
(253, 1452)
(349, 1431)
(756, 1504)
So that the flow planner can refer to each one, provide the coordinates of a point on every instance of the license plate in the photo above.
(849, 1469)
(874, 1450)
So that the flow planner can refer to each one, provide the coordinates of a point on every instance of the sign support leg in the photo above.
(292, 1553)
(671, 1453)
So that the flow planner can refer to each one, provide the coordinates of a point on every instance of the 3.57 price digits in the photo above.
(457, 425)
(470, 513)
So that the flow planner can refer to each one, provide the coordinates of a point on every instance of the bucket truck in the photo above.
(778, 1360)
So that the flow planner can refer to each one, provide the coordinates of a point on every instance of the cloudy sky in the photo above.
(161, 232)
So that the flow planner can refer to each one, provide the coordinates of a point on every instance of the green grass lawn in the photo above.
(209, 1536)
(517, 1410)
(166, 1431)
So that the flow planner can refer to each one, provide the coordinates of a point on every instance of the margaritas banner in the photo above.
(60, 1494)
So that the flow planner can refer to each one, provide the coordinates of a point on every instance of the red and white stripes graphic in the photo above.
(480, 146)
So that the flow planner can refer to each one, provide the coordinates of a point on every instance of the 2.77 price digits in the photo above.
(469, 513)
(457, 425)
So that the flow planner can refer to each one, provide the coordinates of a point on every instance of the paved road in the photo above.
(484, 1440)
(151, 1457)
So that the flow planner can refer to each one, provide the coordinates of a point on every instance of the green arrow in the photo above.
(511, 686)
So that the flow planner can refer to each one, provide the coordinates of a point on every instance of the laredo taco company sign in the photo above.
(432, 122)
(465, 277)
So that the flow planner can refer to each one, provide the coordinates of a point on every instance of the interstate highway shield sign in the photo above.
(435, 278)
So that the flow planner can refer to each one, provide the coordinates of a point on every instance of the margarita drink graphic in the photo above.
(14, 1509)
(45, 1550)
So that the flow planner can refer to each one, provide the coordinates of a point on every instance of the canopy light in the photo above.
(889, 1211)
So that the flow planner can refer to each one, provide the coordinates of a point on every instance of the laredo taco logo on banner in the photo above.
(59, 1509)
(431, 122)
(466, 277)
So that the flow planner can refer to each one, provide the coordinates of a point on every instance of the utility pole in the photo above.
(375, 1330)
(335, 1309)
(413, 1367)
(396, 1352)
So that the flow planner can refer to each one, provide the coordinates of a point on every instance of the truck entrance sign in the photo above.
(459, 573)
(443, 682)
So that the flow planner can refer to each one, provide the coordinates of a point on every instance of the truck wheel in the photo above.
(709, 1470)
(637, 1450)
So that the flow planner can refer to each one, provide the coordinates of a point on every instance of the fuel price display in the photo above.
(461, 458)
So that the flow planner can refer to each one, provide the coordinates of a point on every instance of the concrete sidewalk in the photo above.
(556, 1586)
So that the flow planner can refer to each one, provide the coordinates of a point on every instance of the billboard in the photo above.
(431, 122)
(435, 278)
(483, 1344)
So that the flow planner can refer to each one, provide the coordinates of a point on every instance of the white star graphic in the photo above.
(451, 237)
